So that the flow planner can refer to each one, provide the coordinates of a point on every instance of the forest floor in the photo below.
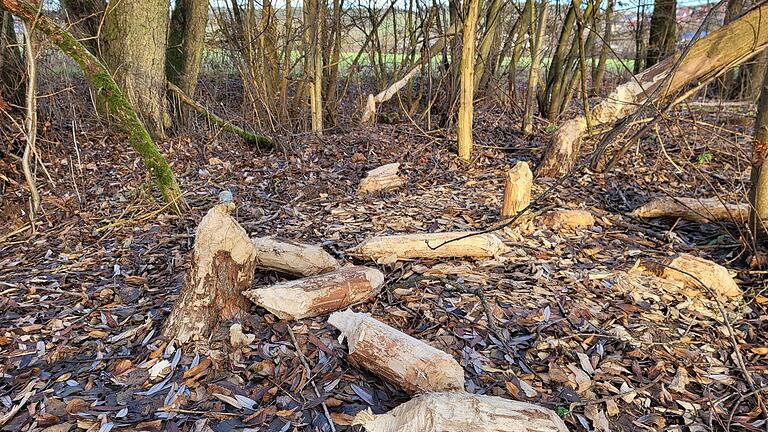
(84, 294)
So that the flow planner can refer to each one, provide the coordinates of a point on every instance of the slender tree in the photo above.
(466, 96)
(85, 18)
(12, 88)
(536, 33)
(186, 40)
(662, 37)
(758, 196)
(599, 71)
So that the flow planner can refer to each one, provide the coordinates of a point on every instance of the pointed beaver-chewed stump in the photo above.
(403, 360)
(223, 263)
(461, 412)
(318, 295)
(388, 249)
(292, 258)
(698, 210)
(517, 190)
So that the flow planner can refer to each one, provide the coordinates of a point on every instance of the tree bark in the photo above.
(313, 17)
(707, 57)
(663, 33)
(84, 17)
(599, 71)
(12, 77)
(133, 41)
(110, 93)
(186, 41)
(758, 195)
(467, 90)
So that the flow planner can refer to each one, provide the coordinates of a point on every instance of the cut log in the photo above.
(462, 412)
(431, 245)
(382, 178)
(318, 295)
(719, 51)
(688, 268)
(400, 359)
(292, 258)
(223, 263)
(567, 219)
(517, 190)
(694, 209)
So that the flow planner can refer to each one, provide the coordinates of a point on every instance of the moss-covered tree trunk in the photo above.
(663, 32)
(12, 76)
(186, 40)
(107, 90)
(133, 41)
(758, 195)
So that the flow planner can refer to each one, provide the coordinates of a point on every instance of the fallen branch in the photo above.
(388, 249)
(293, 258)
(260, 141)
(698, 210)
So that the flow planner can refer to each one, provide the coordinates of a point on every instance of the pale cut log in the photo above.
(720, 50)
(405, 361)
(462, 412)
(318, 295)
(698, 210)
(292, 257)
(382, 178)
(567, 219)
(431, 245)
(223, 263)
(517, 190)
(687, 268)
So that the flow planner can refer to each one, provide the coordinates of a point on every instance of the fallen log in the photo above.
(402, 360)
(318, 295)
(382, 178)
(223, 263)
(517, 190)
(690, 269)
(707, 57)
(567, 219)
(292, 258)
(698, 210)
(462, 412)
(431, 245)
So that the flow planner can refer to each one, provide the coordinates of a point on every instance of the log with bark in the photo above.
(384, 177)
(223, 263)
(318, 295)
(707, 57)
(462, 412)
(388, 249)
(517, 190)
(292, 258)
(400, 359)
(698, 210)
(567, 219)
(693, 271)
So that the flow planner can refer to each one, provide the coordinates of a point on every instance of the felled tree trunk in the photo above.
(431, 245)
(398, 358)
(517, 190)
(382, 178)
(293, 258)
(699, 210)
(462, 412)
(707, 57)
(318, 295)
(223, 262)
(106, 88)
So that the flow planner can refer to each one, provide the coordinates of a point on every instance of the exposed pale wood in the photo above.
(318, 295)
(567, 219)
(695, 209)
(687, 268)
(223, 263)
(462, 412)
(291, 257)
(517, 190)
(428, 245)
(381, 178)
(398, 358)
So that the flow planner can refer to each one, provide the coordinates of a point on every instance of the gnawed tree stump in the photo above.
(318, 295)
(403, 360)
(223, 263)
(567, 219)
(388, 249)
(293, 258)
(382, 178)
(462, 412)
(698, 210)
(687, 269)
(517, 190)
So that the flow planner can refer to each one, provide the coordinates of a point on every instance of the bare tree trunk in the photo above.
(30, 122)
(492, 20)
(133, 41)
(708, 57)
(536, 32)
(186, 41)
(640, 46)
(466, 98)
(599, 71)
(314, 61)
(12, 88)
(758, 194)
(663, 34)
